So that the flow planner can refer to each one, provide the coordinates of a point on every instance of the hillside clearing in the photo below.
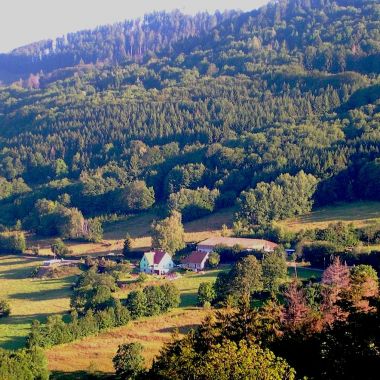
(358, 213)
(96, 352)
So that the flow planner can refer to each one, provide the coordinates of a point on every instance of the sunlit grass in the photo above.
(29, 298)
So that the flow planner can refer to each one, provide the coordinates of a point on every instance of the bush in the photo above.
(213, 259)
(59, 248)
(5, 308)
(206, 293)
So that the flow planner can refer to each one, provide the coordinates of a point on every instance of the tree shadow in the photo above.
(188, 299)
(80, 375)
(16, 274)
(45, 295)
(181, 329)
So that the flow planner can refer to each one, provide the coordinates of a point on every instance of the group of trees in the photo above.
(247, 277)
(95, 308)
(287, 196)
(51, 218)
(24, 364)
(152, 300)
(334, 324)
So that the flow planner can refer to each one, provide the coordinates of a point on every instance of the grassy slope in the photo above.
(29, 298)
(96, 352)
(358, 213)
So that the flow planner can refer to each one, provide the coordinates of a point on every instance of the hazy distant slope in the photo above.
(117, 43)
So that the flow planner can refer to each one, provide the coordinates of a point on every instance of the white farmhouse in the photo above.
(156, 262)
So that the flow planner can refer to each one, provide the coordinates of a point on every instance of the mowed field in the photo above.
(29, 298)
(359, 213)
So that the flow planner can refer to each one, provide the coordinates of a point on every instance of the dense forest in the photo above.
(201, 113)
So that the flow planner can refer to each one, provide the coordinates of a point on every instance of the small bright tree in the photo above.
(213, 259)
(206, 293)
(168, 234)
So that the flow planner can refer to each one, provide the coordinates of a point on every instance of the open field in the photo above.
(29, 298)
(96, 353)
(358, 213)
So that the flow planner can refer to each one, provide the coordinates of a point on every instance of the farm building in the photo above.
(209, 245)
(195, 261)
(156, 262)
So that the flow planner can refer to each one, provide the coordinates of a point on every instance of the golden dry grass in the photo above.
(96, 352)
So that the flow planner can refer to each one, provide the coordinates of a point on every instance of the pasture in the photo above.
(29, 298)
(358, 213)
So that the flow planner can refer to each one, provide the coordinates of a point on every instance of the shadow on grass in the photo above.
(16, 274)
(79, 375)
(180, 329)
(45, 295)
(188, 299)
(4, 263)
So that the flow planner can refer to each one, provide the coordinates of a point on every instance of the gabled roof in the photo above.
(154, 257)
(149, 257)
(158, 256)
(195, 257)
(243, 242)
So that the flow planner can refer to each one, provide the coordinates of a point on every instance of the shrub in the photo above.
(5, 308)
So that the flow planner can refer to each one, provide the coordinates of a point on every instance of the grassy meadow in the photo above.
(358, 213)
(29, 298)
(96, 353)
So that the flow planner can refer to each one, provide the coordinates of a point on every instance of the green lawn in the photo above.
(188, 285)
(304, 273)
(29, 298)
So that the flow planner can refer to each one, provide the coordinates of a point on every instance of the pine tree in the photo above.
(127, 246)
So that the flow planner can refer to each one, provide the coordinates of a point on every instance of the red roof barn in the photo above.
(195, 261)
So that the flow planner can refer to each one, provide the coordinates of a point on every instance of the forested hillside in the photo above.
(195, 112)
(119, 43)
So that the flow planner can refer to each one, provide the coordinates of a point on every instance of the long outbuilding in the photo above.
(209, 245)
